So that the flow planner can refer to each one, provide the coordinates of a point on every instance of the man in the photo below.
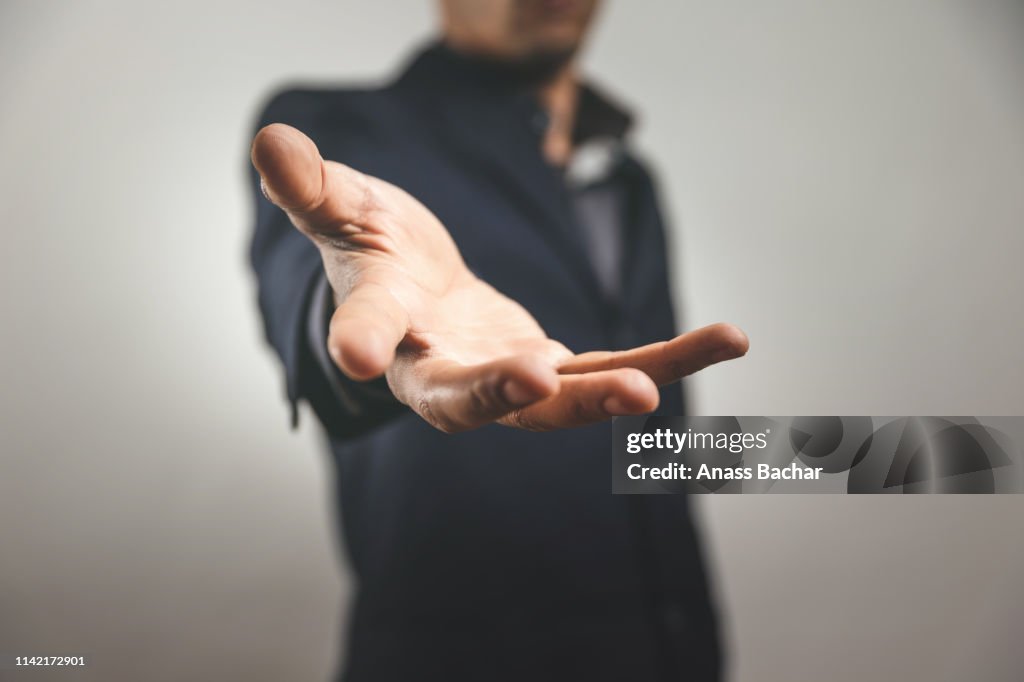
(420, 323)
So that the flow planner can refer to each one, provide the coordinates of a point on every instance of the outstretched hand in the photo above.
(453, 348)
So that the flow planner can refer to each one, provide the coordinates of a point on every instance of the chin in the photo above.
(553, 44)
(559, 34)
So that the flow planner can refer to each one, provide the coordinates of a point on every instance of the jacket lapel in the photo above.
(512, 159)
(491, 131)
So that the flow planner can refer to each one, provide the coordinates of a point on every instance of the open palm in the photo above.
(452, 347)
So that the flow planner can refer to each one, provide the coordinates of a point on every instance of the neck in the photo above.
(559, 97)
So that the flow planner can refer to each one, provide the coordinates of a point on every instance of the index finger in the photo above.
(668, 361)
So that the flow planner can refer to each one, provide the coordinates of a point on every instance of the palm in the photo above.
(452, 347)
(454, 314)
(496, 327)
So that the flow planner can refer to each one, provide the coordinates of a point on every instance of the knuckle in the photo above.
(515, 419)
(438, 419)
(521, 420)
(481, 400)
(425, 411)
(582, 412)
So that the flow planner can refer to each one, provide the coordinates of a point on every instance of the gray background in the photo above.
(848, 180)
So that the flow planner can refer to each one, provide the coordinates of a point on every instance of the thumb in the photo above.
(320, 197)
(290, 167)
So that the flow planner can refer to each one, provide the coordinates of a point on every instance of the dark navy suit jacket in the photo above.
(495, 554)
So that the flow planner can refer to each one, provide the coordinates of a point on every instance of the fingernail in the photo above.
(263, 189)
(613, 405)
(517, 394)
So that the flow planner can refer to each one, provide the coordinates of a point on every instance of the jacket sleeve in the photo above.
(289, 274)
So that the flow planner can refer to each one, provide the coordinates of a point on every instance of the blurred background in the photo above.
(847, 184)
